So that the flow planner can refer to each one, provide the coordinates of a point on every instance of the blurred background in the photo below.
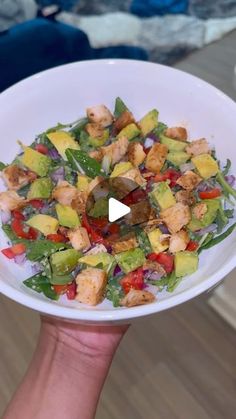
(180, 364)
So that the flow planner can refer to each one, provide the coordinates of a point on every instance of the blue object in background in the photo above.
(148, 8)
(40, 44)
(63, 4)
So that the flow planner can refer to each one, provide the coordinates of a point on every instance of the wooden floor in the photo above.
(180, 364)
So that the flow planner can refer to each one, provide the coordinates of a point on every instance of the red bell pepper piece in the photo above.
(210, 194)
(165, 259)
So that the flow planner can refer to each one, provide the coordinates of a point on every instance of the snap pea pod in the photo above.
(40, 284)
(80, 161)
(219, 238)
(227, 189)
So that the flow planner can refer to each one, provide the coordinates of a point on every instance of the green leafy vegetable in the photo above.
(76, 130)
(120, 107)
(159, 129)
(9, 233)
(227, 189)
(40, 284)
(84, 142)
(100, 208)
(143, 240)
(227, 167)
(114, 292)
(81, 162)
(2, 166)
(221, 220)
(173, 282)
(40, 249)
(218, 239)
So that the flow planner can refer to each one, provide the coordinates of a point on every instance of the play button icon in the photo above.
(116, 210)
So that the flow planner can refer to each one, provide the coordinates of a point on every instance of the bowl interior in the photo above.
(61, 95)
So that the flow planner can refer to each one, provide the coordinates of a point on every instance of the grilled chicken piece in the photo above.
(79, 238)
(96, 154)
(10, 201)
(185, 197)
(100, 114)
(127, 242)
(15, 177)
(155, 267)
(178, 241)
(94, 130)
(189, 180)
(156, 158)
(176, 217)
(137, 298)
(200, 210)
(124, 119)
(177, 133)
(65, 193)
(198, 147)
(136, 155)
(139, 213)
(91, 283)
(116, 150)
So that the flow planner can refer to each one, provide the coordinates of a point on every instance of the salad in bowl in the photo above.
(55, 210)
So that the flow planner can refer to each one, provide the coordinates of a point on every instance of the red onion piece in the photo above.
(153, 137)
(36, 268)
(148, 142)
(163, 229)
(20, 259)
(53, 153)
(117, 270)
(206, 230)
(58, 174)
(230, 180)
(5, 216)
(186, 166)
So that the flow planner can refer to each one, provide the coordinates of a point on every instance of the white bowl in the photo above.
(61, 95)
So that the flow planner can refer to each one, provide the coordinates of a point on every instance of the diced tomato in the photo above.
(18, 249)
(18, 228)
(18, 215)
(60, 289)
(210, 194)
(57, 238)
(95, 237)
(133, 280)
(71, 291)
(114, 228)
(134, 197)
(165, 259)
(41, 148)
(192, 246)
(36, 203)
(170, 174)
(99, 222)
(8, 253)
(85, 223)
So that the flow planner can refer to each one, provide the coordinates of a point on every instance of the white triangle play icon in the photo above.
(116, 210)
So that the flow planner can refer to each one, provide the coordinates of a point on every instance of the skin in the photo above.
(67, 372)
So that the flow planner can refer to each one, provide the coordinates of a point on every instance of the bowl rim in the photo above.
(118, 314)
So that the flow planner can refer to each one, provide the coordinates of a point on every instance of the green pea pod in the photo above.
(80, 161)
(218, 239)
(40, 284)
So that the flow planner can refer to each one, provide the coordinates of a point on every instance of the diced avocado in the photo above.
(61, 141)
(83, 182)
(154, 238)
(163, 195)
(173, 145)
(60, 279)
(98, 142)
(103, 258)
(149, 122)
(120, 168)
(130, 131)
(130, 260)
(44, 223)
(120, 107)
(36, 161)
(177, 157)
(213, 206)
(100, 208)
(205, 165)
(40, 189)
(67, 216)
(64, 261)
(186, 263)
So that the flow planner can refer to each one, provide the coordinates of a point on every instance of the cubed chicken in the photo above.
(177, 133)
(96, 154)
(176, 217)
(10, 201)
(15, 177)
(65, 193)
(155, 267)
(124, 119)
(156, 157)
(139, 213)
(185, 197)
(137, 298)
(91, 284)
(200, 210)
(95, 130)
(127, 242)
(79, 238)
(189, 180)
(99, 248)
(178, 241)
(100, 114)
(116, 150)
(127, 182)
(99, 188)
(198, 147)
(136, 154)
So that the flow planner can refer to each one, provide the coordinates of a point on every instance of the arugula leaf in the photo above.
(40, 249)
(40, 284)
(227, 189)
(218, 239)
(77, 129)
(173, 282)
(227, 167)
(2, 166)
(161, 127)
(221, 220)
(120, 107)
(81, 162)
(9, 233)
(229, 213)
(113, 291)
(84, 142)
(143, 240)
